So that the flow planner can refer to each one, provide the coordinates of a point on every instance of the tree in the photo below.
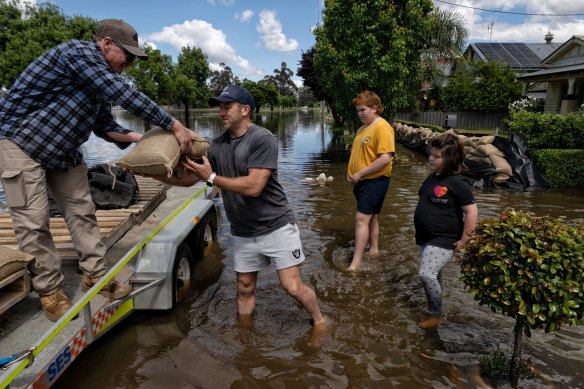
(481, 87)
(283, 79)
(305, 97)
(193, 65)
(24, 35)
(373, 45)
(262, 93)
(530, 269)
(221, 78)
(447, 36)
(311, 80)
(153, 77)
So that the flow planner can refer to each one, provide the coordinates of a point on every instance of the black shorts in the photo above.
(370, 195)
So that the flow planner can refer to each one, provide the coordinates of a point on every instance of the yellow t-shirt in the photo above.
(370, 141)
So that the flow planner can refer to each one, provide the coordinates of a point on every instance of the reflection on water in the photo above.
(374, 340)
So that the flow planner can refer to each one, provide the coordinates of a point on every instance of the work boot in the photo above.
(113, 290)
(55, 305)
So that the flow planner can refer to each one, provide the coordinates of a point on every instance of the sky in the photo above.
(254, 37)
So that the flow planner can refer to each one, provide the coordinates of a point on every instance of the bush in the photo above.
(561, 168)
(527, 266)
(548, 131)
(530, 269)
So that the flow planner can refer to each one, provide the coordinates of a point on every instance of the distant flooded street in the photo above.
(374, 340)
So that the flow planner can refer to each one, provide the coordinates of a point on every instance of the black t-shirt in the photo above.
(231, 157)
(438, 217)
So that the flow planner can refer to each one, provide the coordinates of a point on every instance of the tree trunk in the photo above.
(516, 358)
(337, 118)
(187, 118)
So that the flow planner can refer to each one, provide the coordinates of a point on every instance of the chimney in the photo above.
(548, 37)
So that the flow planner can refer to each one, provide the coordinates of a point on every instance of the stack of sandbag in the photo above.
(480, 149)
(413, 135)
(158, 152)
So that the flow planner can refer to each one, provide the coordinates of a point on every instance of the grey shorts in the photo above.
(283, 247)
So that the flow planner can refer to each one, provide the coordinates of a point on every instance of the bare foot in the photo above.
(318, 332)
(373, 253)
(429, 323)
(355, 264)
(245, 321)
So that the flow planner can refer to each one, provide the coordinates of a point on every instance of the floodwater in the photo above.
(373, 340)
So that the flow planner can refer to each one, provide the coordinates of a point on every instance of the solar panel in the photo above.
(516, 55)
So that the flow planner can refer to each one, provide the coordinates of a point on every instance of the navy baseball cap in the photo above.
(233, 93)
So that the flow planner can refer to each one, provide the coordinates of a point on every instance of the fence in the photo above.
(468, 120)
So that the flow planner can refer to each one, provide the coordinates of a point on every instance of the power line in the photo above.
(505, 12)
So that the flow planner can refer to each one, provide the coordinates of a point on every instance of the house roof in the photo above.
(561, 69)
(554, 70)
(561, 50)
(517, 55)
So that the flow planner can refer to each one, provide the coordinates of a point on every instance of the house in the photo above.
(563, 73)
(523, 58)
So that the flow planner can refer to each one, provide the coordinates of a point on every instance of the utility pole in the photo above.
(490, 28)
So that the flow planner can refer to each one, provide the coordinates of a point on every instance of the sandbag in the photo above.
(158, 152)
(486, 150)
(501, 165)
(12, 261)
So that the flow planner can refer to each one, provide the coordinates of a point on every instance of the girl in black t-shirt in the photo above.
(445, 214)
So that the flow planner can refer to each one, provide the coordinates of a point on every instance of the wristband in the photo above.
(211, 178)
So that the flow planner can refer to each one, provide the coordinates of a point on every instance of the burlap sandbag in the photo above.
(499, 178)
(158, 152)
(486, 140)
(486, 150)
(12, 261)
(501, 165)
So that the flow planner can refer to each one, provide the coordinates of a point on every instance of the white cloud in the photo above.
(507, 27)
(271, 34)
(213, 42)
(245, 15)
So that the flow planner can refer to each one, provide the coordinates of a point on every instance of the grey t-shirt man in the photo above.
(232, 157)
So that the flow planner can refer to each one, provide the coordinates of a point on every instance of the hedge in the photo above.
(562, 168)
(548, 131)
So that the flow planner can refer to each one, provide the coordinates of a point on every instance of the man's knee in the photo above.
(294, 288)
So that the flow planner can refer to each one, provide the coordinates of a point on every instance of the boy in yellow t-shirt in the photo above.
(369, 172)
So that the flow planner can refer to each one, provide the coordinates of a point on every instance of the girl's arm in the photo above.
(471, 214)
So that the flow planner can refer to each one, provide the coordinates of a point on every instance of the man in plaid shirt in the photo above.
(49, 111)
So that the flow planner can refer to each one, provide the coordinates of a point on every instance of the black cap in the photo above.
(233, 93)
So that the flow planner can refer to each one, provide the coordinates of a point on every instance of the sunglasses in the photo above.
(129, 56)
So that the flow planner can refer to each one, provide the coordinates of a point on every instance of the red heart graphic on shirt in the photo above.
(440, 190)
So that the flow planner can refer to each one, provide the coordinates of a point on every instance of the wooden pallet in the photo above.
(113, 223)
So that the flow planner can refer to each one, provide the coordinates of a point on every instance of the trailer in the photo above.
(161, 276)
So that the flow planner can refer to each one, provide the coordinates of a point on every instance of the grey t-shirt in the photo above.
(232, 157)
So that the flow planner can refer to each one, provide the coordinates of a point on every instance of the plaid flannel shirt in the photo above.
(64, 95)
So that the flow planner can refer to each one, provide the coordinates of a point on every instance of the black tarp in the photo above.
(111, 188)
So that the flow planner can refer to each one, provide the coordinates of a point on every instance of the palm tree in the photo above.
(448, 34)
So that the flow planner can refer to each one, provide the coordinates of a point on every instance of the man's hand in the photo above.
(201, 170)
(183, 136)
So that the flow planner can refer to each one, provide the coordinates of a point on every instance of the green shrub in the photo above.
(528, 268)
(562, 168)
(548, 131)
